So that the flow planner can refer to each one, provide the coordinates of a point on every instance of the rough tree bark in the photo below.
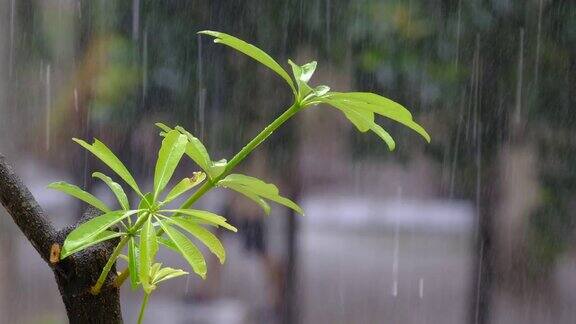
(74, 275)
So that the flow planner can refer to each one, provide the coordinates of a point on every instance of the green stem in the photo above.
(95, 290)
(143, 308)
(243, 153)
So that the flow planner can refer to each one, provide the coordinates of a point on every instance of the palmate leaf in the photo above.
(205, 236)
(243, 183)
(171, 151)
(105, 154)
(187, 249)
(201, 215)
(89, 232)
(252, 51)
(116, 189)
(76, 192)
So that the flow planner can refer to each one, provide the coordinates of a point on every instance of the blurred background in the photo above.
(477, 227)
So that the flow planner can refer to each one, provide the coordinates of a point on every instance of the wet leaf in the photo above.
(102, 152)
(76, 192)
(171, 151)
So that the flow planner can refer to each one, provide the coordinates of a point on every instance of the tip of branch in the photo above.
(55, 253)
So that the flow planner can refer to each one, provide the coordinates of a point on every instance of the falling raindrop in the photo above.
(48, 104)
(135, 19)
(421, 288)
(518, 110)
(328, 17)
(538, 36)
(458, 29)
(11, 49)
(76, 99)
(396, 250)
(145, 65)
(201, 91)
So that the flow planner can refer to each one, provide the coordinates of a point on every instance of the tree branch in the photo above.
(25, 211)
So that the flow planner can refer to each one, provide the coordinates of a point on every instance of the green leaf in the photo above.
(196, 150)
(102, 152)
(148, 249)
(203, 215)
(362, 121)
(243, 183)
(146, 201)
(187, 249)
(76, 192)
(205, 236)
(184, 185)
(133, 257)
(89, 231)
(166, 274)
(302, 77)
(163, 127)
(70, 249)
(252, 51)
(321, 90)
(365, 101)
(167, 243)
(307, 71)
(173, 147)
(217, 168)
(255, 198)
(116, 189)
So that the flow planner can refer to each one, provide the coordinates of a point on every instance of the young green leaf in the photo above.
(184, 185)
(364, 101)
(173, 147)
(203, 215)
(133, 257)
(321, 90)
(243, 183)
(196, 150)
(166, 274)
(252, 51)
(102, 152)
(365, 120)
(116, 189)
(76, 192)
(71, 248)
(89, 232)
(148, 249)
(163, 127)
(205, 236)
(217, 168)
(302, 77)
(187, 249)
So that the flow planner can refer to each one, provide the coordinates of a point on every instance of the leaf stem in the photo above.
(95, 290)
(143, 308)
